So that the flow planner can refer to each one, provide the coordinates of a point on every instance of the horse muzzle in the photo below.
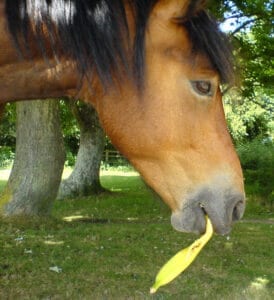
(222, 207)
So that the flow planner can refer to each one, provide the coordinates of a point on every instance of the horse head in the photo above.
(174, 131)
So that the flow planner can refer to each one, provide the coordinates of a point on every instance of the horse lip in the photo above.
(224, 230)
(202, 206)
(188, 221)
(192, 219)
(180, 223)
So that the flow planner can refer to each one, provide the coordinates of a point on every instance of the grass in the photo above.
(111, 247)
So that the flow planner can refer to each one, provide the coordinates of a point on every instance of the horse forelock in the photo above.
(95, 34)
(207, 38)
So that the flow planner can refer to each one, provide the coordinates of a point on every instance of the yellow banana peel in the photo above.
(180, 261)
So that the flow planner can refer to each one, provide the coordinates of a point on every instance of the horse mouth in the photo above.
(223, 210)
(189, 221)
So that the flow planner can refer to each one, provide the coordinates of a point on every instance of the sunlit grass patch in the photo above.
(115, 244)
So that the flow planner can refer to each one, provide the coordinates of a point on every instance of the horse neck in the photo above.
(34, 78)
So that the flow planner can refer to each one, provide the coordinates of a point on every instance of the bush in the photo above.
(70, 159)
(258, 164)
(6, 156)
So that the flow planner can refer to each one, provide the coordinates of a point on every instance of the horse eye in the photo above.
(203, 88)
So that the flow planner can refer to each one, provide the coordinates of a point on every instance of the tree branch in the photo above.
(243, 25)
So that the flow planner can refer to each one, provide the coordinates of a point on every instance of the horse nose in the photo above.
(222, 207)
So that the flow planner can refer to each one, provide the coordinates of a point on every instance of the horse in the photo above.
(153, 70)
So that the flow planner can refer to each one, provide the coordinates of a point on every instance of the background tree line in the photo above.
(248, 105)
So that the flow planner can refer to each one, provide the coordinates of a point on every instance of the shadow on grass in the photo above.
(82, 219)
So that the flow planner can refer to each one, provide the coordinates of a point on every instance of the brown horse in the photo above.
(152, 69)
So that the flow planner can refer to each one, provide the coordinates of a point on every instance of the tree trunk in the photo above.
(84, 180)
(39, 160)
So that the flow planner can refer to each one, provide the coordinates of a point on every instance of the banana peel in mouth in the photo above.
(180, 261)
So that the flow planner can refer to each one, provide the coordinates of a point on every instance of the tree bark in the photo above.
(39, 160)
(85, 180)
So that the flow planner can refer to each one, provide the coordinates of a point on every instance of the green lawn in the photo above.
(112, 246)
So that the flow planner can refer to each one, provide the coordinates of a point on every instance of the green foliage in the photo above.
(6, 156)
(253, 40)
(249, 119)
(7, 127)
(7, 136)
(257, 158)
(70, 158)
(251, 32)
(71, 132)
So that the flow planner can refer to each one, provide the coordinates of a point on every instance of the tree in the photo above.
(84, 180)
(248, 120)
(39, 159)
(249, 107)
(251, 32)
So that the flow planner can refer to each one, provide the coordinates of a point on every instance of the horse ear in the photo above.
(172, 9)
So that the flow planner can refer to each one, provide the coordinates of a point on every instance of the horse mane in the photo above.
(95, 35)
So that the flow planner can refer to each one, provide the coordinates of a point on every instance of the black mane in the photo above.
(94, 34)
(206, 37)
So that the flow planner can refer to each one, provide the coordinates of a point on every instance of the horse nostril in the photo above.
(237, 211)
